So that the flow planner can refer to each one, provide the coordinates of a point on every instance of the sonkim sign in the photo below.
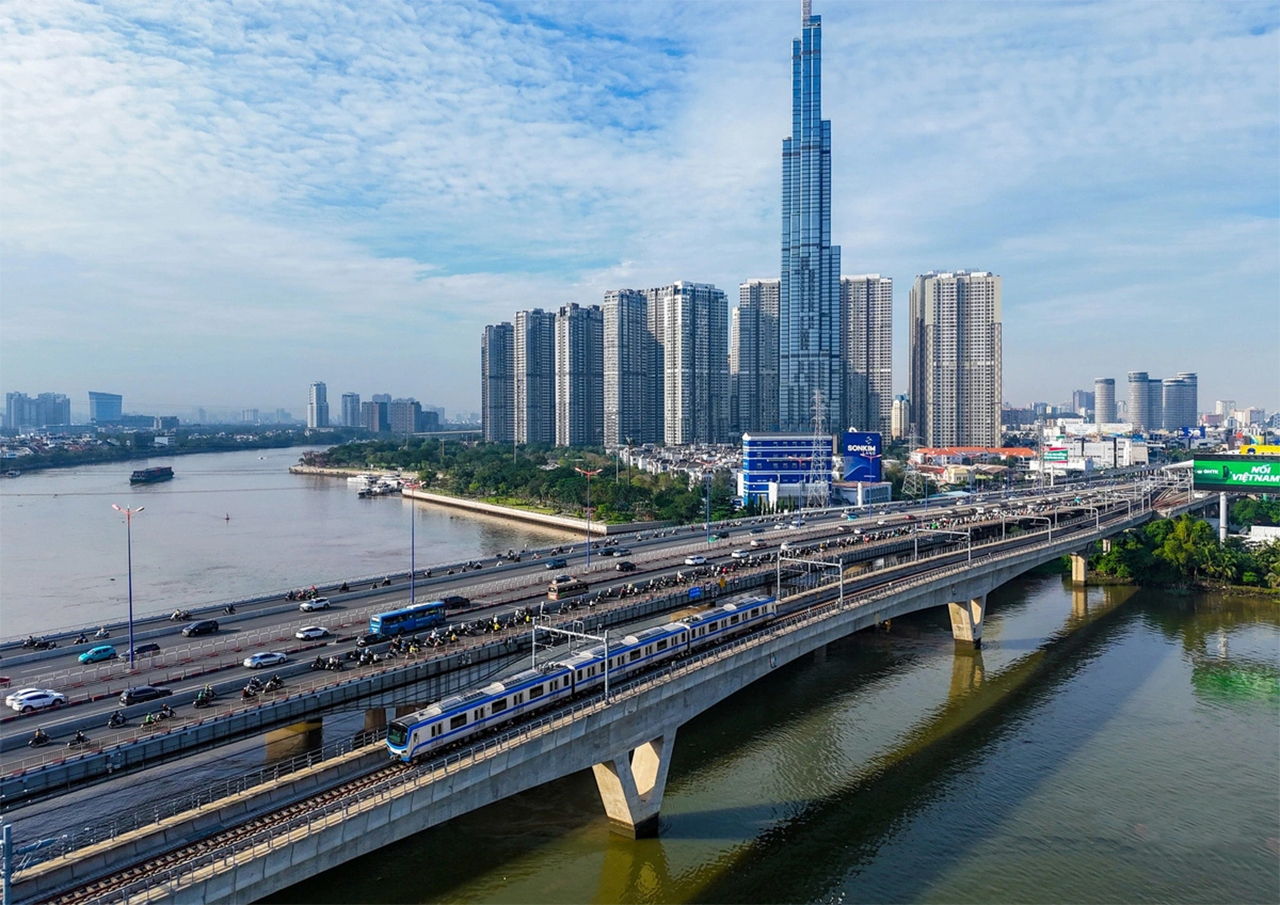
(1242, 474)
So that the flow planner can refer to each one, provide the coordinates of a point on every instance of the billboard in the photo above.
(1241, 474)
(1056, 454)
(861, 456)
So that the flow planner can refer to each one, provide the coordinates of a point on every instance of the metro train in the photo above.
(455, 718)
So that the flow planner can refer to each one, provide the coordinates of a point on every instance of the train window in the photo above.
(661, 645)
(536, 692)
(635, 655)
(498, 706)
(733, 620)
(755, 612)
(458, 722)
(436, 729)
(611, 662)
(579, 675)
(519, 699)
(479, 714)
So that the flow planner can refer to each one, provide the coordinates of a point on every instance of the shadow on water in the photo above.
(803, 859)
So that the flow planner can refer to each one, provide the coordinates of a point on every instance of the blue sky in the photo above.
(217, 203)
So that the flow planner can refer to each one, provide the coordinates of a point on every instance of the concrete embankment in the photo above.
(336, 472)
(564, 522)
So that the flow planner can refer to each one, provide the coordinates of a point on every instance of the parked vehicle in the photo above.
(203, 627)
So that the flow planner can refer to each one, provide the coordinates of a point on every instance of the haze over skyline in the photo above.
(209, 206)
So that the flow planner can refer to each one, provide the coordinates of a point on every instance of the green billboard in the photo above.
(1242, 474)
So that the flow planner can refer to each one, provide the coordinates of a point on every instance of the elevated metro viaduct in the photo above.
(626, 742)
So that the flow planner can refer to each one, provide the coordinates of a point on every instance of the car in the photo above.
(143, 693)
(757, 542)
(881, 523)
(621, 551)
(370, 638)
(456, 602)
(740, 554)
(98, 654)
(265, 658)
(757, 531)
(695, 560)
(39, 700)
(311, 633)
(779, 527)
(557, 564)
(203, 627)
(20, 693)
(787, 545)
(723, 535)
(149, 648)
(559, 579)
(626, 566)
(315, 603)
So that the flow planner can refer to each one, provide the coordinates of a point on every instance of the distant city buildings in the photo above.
(105, 408)
(350, 409)
(497, 383)
(630, 370)
(1104, 400)
(694, 323)
(535, 376)
(318, 406)
(867, 303)
(45, 410)
(754, 367)
(900, 418)
(956, 359)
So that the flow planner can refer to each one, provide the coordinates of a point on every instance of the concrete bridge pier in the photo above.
(1106, 545)
(966, 673)
(632, 783)
(1079, 567)
(1079, 602)
(966, 621)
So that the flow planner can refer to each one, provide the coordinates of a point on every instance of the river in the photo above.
(1107, 746)
(229, 525)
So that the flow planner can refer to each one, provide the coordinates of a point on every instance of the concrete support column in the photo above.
(631, 786)
(1106, 545)
(1079, 567)
(966, 621)
(375, 718)
(1222, 517)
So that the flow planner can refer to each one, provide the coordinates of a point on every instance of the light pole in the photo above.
(708, 477)
(589, 476)
(413, 550)
(128, 533)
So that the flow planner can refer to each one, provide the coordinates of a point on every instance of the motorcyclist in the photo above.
(82, 638)
(229, 609)
(117, 719)
(102, 632)
(344, 588)
(81, 738)
(40, 738)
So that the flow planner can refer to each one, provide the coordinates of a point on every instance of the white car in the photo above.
(787, 545)
(757, 542)
(315, 603)
(695, 560)
(740, 554)
(311, 633)
(266, 658)
(39, 700)
(20, 693)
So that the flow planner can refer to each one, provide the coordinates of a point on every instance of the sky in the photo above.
(215, 204)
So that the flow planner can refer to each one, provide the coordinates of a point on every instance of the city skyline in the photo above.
(215, 229)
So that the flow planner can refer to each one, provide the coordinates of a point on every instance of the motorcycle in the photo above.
(117, 720)
(39, 740)
(319, 663)
(34, 643)
(180, 616)
(82, 638)
(102, 633)
(79, 741)
(205, 697)
(229, 610)
(335, 664)
(274, 683)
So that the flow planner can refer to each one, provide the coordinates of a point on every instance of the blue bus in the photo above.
(409, 619)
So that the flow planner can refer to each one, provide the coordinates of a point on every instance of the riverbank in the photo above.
(564, 522)
(338, 472)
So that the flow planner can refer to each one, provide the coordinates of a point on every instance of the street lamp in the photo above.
(128, 531)
(413, 550)
(708, 477)
(589, 476)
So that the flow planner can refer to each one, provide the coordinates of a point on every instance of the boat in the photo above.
(151, 475)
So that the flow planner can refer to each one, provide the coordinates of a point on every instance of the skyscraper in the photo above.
(497, 383)
(956, 358)
(867, 303)
(757, 336)
(695, 340)
(809, 297)
(1104, 400)
(318, 406)
(106, 408)
(350, 409)
(404, 416)
(1155, 403)
(579, 376)
(630, 370)
(1179, 401)
(535, 376)
(1138, 411)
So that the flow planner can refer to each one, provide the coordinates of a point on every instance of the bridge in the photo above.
(265, 839)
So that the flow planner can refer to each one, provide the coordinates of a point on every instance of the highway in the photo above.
(186, 665)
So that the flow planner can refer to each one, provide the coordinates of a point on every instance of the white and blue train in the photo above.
(461, 716)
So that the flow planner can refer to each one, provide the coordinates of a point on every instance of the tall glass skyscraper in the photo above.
(809, 303)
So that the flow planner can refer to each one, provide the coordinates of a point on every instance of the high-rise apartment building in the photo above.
(535, 376)
(45, 410)
(900, 418)
(756, 336)
(498, 383)
(809, 297)
(1155, 403)
(630, 370)
(374, 416)
(694, 319)
(1179, 401)
(1138, 412)
(867, 303)
(1224, 407)
(956, 358)
(105, 408)
(318, 406)
(1104, 400)
(579, 376)
(404, 416)
(350, 409)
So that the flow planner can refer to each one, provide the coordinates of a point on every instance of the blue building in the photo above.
(105, 408)
(777, 467)
(809, 321)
